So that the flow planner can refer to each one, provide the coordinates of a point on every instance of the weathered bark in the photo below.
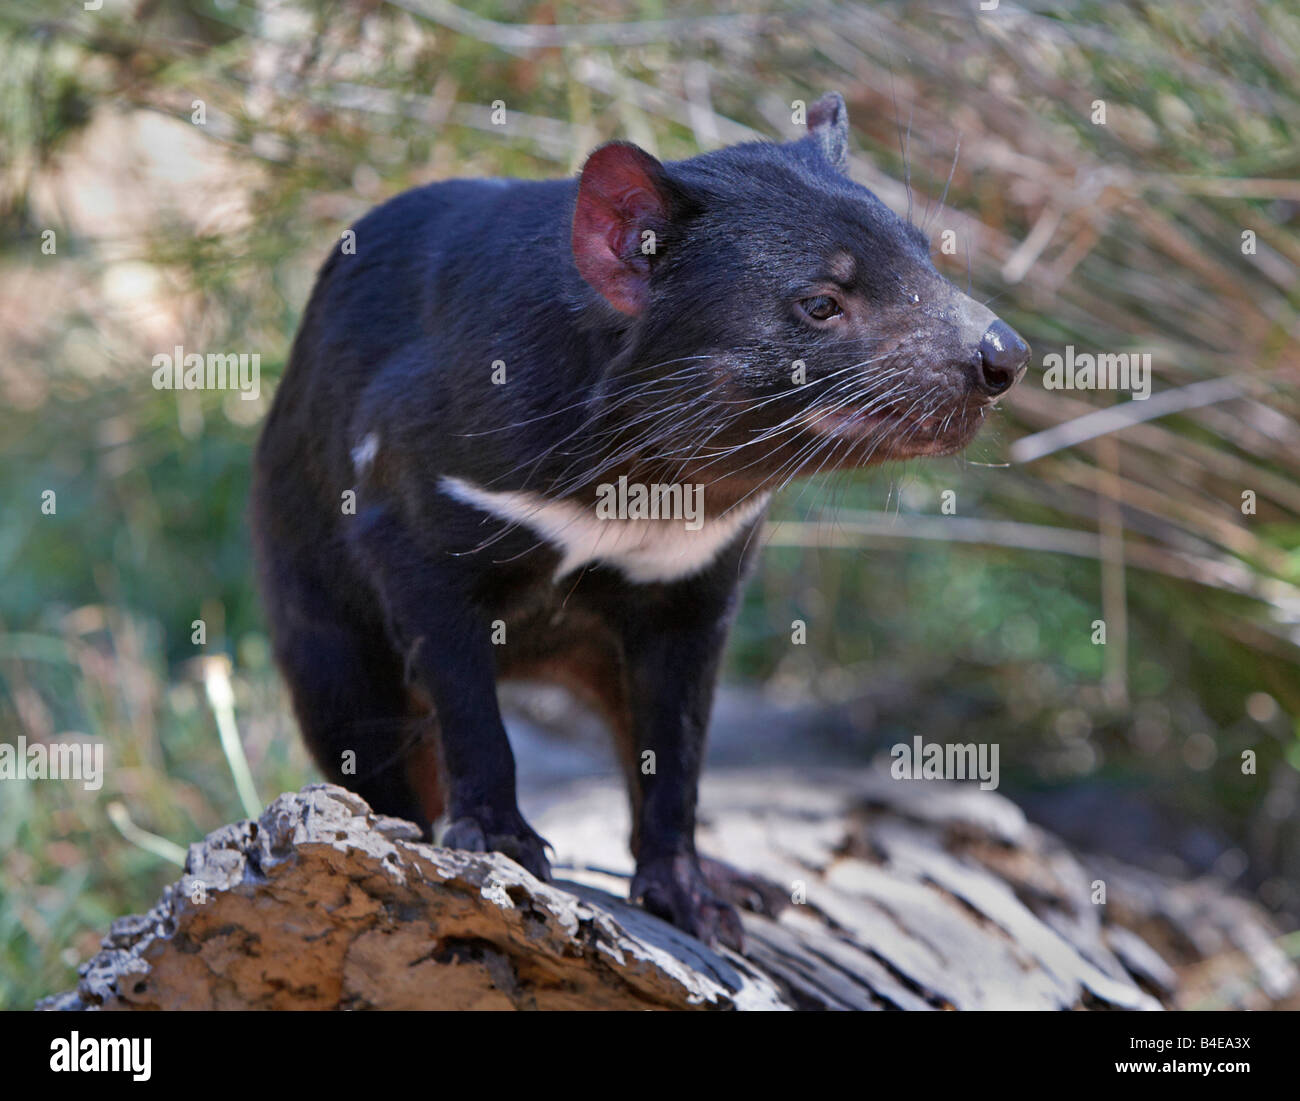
(918, 896)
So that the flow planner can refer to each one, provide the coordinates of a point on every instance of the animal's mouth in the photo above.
(897, 430)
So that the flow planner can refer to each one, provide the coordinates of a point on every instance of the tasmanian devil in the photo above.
(477, 368)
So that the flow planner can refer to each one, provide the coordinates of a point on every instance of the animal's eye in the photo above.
(821, 308)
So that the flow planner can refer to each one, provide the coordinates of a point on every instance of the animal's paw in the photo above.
(674, 888)
(482, 832)
(744, 889)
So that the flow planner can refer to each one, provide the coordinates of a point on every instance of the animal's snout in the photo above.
(1003, 356)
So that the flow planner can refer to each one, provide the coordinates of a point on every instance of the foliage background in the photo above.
(1117, 237)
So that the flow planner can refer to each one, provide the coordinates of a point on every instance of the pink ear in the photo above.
(621, 193)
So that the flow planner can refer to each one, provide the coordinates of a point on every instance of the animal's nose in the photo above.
(1003, 356)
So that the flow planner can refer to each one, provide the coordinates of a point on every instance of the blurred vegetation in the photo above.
(1117, 237)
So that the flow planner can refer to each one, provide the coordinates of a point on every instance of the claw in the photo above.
(674, 888)
(512, 837)
(745, 890)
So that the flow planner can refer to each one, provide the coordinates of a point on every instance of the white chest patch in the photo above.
(644, 550)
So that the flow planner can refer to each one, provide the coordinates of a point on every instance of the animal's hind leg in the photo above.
(359, 719)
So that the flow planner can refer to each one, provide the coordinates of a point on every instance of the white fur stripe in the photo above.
(644, 550)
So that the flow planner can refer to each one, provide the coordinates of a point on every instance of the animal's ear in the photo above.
(625, 202)
(828, 122)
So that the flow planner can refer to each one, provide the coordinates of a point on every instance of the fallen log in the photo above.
(874, 894)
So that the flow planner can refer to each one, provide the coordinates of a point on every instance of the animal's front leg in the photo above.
(445, 638)
(672, 649)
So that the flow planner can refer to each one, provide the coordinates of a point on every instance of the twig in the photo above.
(534, 37)
(142, 838)
(1118, 417)
(216, 681)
